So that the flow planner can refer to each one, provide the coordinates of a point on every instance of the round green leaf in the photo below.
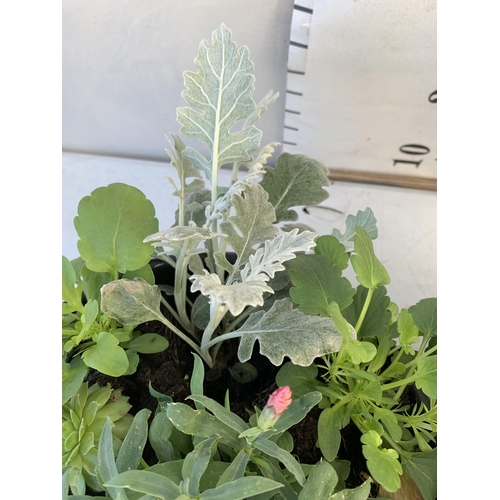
(112, 223)
(107, 356)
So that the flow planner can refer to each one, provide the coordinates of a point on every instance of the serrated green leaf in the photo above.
(427, 375)
(425, 316)
(408, 332)
(146, 273)
(320, 483)
(284, 331)
(300, 379)
(112, 223)
(71, 289)
(131, 302)
(382, 463)
(221, 91)
(422, 468)
(296, 180)
(377, 317)
(252, 223)
(390, 421)
(369, 270)
(333, 249)
(107, 356)
(318, 282)
(364, 218)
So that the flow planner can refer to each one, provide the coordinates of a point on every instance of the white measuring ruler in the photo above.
(362, 89)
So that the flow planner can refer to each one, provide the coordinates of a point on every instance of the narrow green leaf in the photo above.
(130, 453)
(236, 469)
(297, 180)
(197, 376)
(144, 481)
(369, 270)
(240, 489)
(200, 423)
(159, 434)
(112, 223)
(318, 282)
(320, 483)
(196, 462)
(227, 417)
(283, 456)
(106, 466)
(329, 425)
(360, 493)
(297, 410)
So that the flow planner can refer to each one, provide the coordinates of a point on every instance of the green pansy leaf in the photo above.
(329, 425)
(112, 223)
(148, 343)
(382, 463)
(146, 273)
(107, 356)
(73, 375)
(221, 91)
(369, 270)
(377, 317)
(427, 375)
(408, 332)
(284, 331)
(332, 248)
(363, 218)
(71, 288)
(422, 468)
(131, 302)
(317, 282)
(297, 180)
(300, 379)
(425, 316)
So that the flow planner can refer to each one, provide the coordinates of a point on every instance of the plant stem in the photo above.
(365, 309)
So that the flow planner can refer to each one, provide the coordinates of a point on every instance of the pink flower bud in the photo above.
(277, 403)
(280, 399)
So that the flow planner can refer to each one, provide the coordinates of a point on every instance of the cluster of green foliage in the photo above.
(386, 352)
(208, 452)
(351, 351)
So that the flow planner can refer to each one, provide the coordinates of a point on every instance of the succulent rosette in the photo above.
(83, 419)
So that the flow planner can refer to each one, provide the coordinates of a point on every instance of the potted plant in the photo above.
(194, 356)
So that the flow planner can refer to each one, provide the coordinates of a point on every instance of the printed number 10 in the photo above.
(412, 149)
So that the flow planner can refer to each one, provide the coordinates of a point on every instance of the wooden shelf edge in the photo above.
(386, 179)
